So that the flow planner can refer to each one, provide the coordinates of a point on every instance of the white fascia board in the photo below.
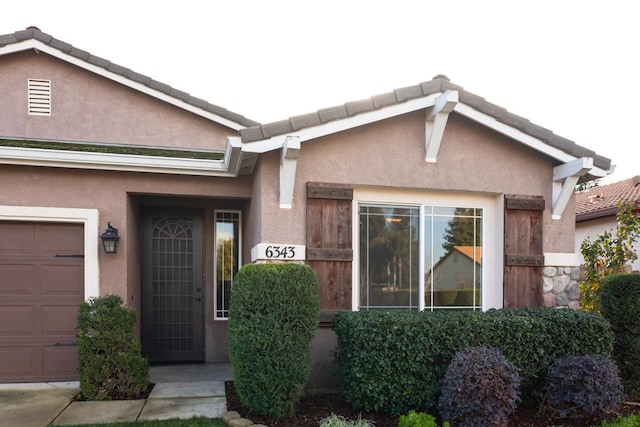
(336, 126)
(119, 162)
(518, 135)
(38, 45)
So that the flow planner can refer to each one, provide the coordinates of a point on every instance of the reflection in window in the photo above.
(227, 258)
(453, 257)
(389, 257)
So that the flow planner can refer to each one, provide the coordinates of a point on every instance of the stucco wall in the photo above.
(391, 154)
(88, 107)
(592, 228)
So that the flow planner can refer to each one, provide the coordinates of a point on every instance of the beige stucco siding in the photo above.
(391, 154)
(109, 193)
(88, 107)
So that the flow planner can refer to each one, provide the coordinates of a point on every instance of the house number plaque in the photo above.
(277, 251)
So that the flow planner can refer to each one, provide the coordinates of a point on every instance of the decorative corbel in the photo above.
(565, 178)
(288, 161)
(437, 121)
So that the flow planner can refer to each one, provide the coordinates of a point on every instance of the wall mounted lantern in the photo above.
(110, 239)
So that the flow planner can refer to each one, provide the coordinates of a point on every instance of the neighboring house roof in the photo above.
(33, 38)
(603, 200)
(439, 85)
(474, 253)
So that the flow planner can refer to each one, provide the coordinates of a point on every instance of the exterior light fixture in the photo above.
(110, 239)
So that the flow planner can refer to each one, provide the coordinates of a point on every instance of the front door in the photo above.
(172, 285)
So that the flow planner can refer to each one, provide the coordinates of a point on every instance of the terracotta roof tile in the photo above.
(603, 200)
(35, 33)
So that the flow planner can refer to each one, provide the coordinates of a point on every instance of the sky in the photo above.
(569, 66)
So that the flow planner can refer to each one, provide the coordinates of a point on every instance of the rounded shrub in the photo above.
(583, 385)
(620, 305)
(273, 317)
(110, 363)
(480, 388)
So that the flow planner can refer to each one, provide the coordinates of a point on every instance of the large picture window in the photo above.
(420, 257)
(227, 259)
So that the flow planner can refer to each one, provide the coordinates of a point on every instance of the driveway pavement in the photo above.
(180, 391)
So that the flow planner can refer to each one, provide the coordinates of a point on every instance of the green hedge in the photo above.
(620, 305)
(109, 354)
(273, 316)
(395, 361)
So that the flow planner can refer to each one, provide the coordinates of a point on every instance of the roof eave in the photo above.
(40, 46)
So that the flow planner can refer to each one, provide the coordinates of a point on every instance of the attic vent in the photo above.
(39, 97)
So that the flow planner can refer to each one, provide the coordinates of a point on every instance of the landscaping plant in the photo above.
(419, 419)
(395, 361)
(338, 421)
(607, 254)
(273, 316)
(621, 307)
(109, 354)
(480, 388)
(583, 385)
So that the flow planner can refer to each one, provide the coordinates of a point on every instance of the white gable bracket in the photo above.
(288, 162)
(437, 121)
(565, 178)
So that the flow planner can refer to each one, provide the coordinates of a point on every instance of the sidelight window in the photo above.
(227, 258)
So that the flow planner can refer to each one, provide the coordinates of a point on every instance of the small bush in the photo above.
(338, 421)
(630, 421)
(480, 388)
(621, 307)
(419, 419)
(581, 385)
(273, 316)
(109, 354)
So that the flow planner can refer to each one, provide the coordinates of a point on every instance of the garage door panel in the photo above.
(59, 362)
(61, 239)
(57, 319)
(18, 321)
(17, 238)
(62, 279)
(41, 288)
(18, 363)
(17, 279)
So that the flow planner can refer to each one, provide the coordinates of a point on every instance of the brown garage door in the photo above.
(41, 287)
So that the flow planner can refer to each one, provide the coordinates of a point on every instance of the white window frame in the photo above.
(215, 257)
(492, 232)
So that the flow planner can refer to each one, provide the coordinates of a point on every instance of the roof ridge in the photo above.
(438, 84)
(33, 32)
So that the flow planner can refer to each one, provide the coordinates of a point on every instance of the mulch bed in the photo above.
(311, 409)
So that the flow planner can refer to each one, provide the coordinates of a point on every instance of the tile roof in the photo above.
(439, 84)
(603, 200)
(36, 34)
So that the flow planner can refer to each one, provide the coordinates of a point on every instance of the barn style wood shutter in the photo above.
(329, 243)
(523, 256)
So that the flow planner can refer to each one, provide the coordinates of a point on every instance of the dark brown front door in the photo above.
(172, 285)
(41, 288)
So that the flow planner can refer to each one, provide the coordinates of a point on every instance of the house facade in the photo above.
(597, 207)
(372, 194)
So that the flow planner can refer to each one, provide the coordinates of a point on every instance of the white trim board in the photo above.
(88, 217)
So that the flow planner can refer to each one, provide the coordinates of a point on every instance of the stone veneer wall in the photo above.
(561, 287)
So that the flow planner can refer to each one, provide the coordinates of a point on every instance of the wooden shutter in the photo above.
(329, 242)
(523, 256)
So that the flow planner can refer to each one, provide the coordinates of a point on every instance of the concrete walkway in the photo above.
(181, 391)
